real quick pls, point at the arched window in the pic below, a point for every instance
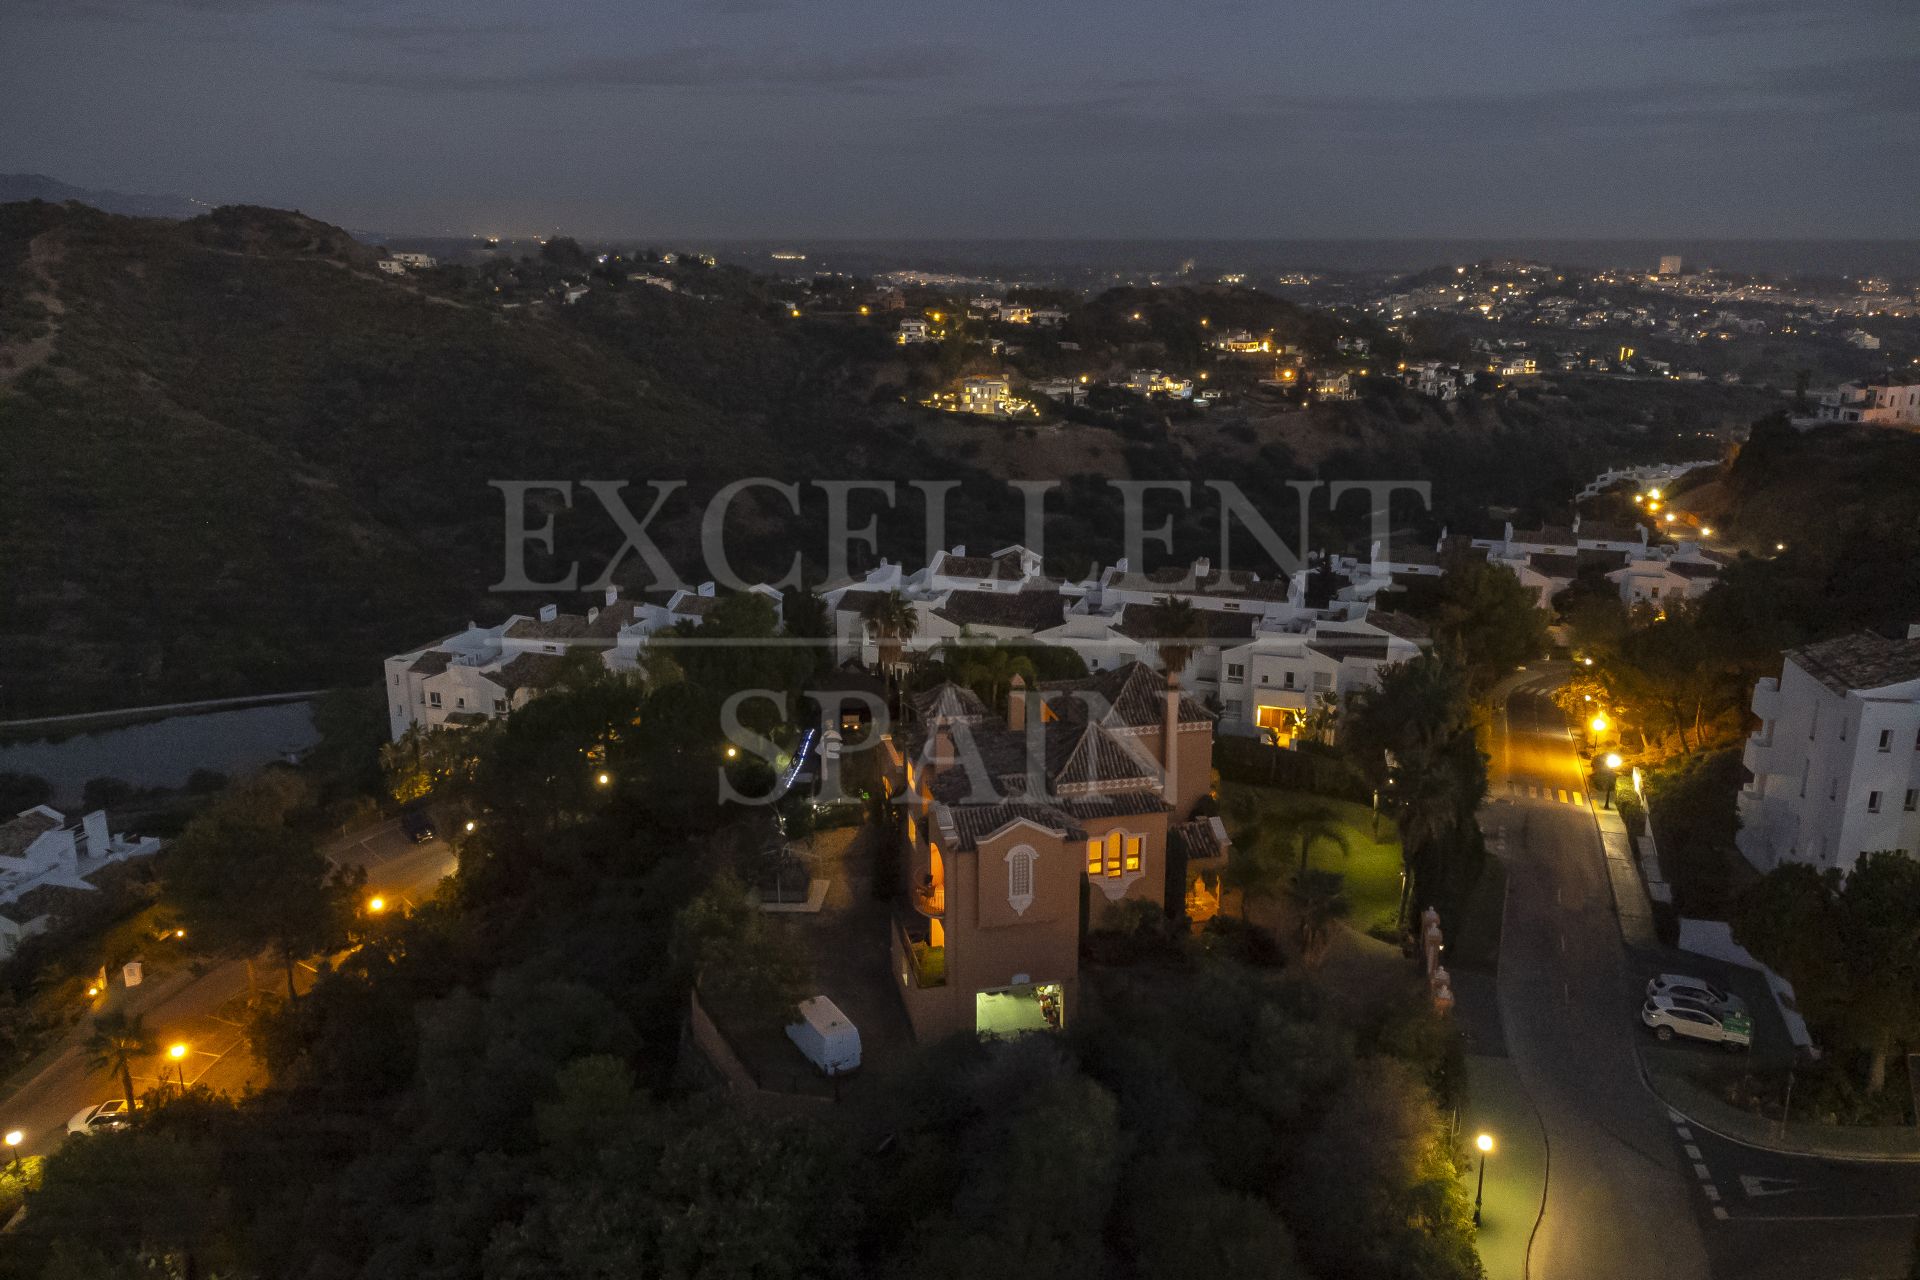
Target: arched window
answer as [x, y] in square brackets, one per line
[1020, 878]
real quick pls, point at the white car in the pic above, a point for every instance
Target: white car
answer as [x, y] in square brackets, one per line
[101, 1117]
[1670, 1016]
[1698, 990]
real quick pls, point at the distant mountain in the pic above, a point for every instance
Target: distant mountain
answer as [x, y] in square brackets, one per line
[38, 186]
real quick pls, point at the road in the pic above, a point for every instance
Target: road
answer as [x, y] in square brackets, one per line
[203, 1012]
[1632, 1189]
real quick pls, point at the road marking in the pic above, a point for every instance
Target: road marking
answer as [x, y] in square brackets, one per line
[1755, 1187]
[1686, 1134]
[1720, 1213]
[1579, 800]
[1693, 1152]
[1703, 1173]
[1713, 1192]
[1675, 1116]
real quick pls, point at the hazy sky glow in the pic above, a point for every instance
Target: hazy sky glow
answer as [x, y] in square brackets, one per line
[989, 117]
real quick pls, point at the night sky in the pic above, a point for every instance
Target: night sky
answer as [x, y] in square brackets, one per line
[1039, 118]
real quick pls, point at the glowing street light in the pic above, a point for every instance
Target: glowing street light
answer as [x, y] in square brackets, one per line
[1653, 493]
[1613, 760]
[14, 1139]
[1588, 661]
[1779, 546]
[732, 752]
[1485, 1143]
[470, 824]
[1706, 531]
[604, 779]
[178, 1052]
[1598, 724]
[376, 904]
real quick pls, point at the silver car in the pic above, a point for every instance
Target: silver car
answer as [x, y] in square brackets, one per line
[101, 1117]
[1670, 1016]
[1698, 990]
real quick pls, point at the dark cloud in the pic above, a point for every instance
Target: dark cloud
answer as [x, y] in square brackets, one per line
[1723, 18]
[703, 66]
[1172, 116]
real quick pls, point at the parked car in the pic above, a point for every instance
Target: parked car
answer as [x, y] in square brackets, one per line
[417, 822]
[101, 1117]
[1698, 990]
[1670, 1016]
[824, 1035]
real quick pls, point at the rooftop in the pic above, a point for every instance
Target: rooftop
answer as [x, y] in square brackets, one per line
[1864, 660]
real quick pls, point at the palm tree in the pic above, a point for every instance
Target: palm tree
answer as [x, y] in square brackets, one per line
[1181, 628]
[1318, 900]
[892, 620]
[1317, 822]
[988, 668]
[116, 1042]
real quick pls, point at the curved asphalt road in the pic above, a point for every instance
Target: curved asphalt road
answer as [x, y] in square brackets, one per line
[1633, 1189]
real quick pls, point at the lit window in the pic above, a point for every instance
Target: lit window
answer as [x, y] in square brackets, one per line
[1094, 857]
[1133, 853]
[913, 830]
[1113, 855]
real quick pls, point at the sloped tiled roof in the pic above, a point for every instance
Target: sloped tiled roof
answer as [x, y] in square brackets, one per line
[431, 663]
[977, 822]
[949, 701]
[1030, 609]
[528, 671]
[1197, 840]
[1405, 626]
[1086, 755]
[17, 833]
[1864, 660]
[1134, 697]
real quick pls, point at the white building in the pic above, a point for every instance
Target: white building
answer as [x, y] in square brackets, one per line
[414, 261]
[912, 331]
[1885, 402]
[1835, 763]
[1547, 561]
[1152, 382]
[43, 859]
[481, 672]
[392, 266]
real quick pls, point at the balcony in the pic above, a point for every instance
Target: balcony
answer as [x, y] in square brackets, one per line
[923, 948]
[930, 898]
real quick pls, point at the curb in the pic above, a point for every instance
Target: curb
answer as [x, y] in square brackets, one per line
[1851, 1157]
[1546, 1142]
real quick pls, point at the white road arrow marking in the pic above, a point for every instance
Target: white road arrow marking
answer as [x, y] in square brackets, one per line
[1757, 1187]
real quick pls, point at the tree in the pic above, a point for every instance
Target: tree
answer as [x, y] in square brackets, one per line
[20, 791]
[1318, 900]
[1489, 618]
[744, 964]
[117, 1042]
[1179, 629]
[247, 874]
[988, 668]
[1850, 946]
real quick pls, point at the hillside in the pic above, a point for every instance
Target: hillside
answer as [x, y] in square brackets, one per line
[239, 458]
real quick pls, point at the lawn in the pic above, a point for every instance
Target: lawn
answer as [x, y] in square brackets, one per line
[1370, 863]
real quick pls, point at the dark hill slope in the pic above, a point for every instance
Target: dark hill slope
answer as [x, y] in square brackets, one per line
[234, 457]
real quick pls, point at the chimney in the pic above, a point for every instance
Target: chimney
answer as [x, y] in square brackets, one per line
[593, 614]
[1913, 631]
[548, 612]
[1017, 705]
[613, 596]
[1202, 567]
[707, 588]
[960, 550]
[94, 825]
[1170, 747]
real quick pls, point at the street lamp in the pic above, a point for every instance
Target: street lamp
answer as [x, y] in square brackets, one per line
[1611, 761]
[1485, 1143]
[376, 904]
[14, 1139]
[178, 1052]
[470, 824]
[1598, 724]
[604, 779]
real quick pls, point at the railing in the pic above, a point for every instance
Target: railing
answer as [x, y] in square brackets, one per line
[931, 899]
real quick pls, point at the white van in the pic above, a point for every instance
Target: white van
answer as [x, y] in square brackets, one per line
[824, 1035]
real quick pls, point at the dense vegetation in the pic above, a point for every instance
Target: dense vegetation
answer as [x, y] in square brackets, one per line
[496, 1083]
